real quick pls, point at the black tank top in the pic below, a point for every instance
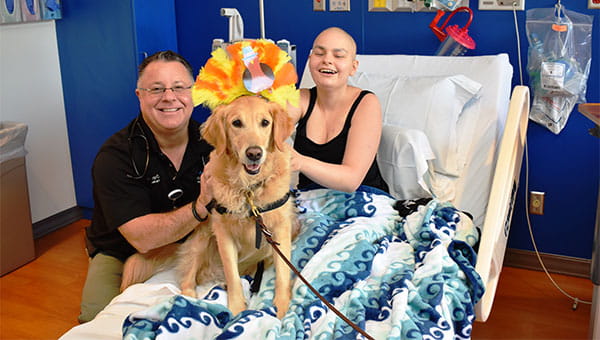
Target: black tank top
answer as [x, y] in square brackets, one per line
[332, 151]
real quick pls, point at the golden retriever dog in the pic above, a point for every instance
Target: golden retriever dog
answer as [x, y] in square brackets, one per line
[250, 168]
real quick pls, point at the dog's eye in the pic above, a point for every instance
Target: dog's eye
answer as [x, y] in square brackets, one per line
[237, 123]
[265, 123]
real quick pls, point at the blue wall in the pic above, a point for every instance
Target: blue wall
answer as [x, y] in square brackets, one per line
[100, 44]
[98, 66]
[565, 166]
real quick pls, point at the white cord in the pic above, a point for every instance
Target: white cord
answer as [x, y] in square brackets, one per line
[518, 42]
[537, 253]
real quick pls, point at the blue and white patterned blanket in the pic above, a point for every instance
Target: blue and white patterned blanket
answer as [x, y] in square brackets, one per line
[397, 278]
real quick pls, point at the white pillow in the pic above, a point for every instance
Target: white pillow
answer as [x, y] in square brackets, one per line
[382, 85]
[402, 158]
[405, 162]
[430, 104]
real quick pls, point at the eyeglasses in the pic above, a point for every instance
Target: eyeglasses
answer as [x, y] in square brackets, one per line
[159, 91]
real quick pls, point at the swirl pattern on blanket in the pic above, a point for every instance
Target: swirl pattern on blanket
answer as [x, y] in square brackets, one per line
[396, 278]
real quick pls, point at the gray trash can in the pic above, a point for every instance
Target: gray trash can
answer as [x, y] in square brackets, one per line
[16, 233]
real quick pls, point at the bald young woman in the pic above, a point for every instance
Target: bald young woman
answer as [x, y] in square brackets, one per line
[339, 126]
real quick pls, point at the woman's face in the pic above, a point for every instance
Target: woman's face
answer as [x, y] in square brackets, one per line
[332, 59]
[168, 111]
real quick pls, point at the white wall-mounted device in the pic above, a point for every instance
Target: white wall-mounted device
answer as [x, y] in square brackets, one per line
[413, 5]
[339, 5]
[236, 24]
[501, 5]
[319, 5]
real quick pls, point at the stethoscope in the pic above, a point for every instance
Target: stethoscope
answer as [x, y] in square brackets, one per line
[174, 194]
[130, 138]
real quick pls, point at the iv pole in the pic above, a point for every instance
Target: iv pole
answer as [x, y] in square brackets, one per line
[261, 8]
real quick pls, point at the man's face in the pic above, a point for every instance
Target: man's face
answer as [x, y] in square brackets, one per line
[168, 111]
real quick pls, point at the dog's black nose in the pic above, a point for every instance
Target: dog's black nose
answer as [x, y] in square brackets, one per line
[254, 153]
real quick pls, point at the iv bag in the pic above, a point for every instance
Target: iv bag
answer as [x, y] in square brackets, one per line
[559, 59]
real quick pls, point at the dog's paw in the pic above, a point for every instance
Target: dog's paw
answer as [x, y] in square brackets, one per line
[282, 305]
[281, 312]
[191, 292]
[236, 307]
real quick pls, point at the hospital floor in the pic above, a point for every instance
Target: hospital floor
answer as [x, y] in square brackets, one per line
[41, 299]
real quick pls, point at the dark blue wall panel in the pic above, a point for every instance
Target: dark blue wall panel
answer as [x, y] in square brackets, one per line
[98, 75]
[100, 44]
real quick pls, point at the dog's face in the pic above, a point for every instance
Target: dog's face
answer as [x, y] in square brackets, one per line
[248, 129]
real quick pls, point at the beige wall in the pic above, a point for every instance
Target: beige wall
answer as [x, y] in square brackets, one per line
[31, 93]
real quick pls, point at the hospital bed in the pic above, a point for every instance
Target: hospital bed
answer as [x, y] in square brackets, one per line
[396, 266]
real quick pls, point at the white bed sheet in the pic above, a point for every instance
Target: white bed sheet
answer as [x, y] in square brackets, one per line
[109, 322]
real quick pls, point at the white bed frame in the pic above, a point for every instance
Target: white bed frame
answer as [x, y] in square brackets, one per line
[501, 203]
[506, 153]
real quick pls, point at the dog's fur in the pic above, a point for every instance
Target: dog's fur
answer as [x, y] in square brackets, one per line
[249, 157]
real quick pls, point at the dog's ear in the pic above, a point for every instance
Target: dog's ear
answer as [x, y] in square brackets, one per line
[213, 130]
[282, 125]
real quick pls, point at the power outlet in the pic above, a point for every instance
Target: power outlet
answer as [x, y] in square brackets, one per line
[536, 202]
[501, 5]
[339, 5]
[319, 5]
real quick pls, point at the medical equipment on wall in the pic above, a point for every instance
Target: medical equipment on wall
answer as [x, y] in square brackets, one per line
[412, 6]
[559, 59]
[236, 24]
[455, 40]
[236, 32]
[448, 5]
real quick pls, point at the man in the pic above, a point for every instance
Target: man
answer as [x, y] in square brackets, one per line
[145, 177]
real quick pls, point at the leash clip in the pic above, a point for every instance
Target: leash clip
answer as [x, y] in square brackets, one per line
[253, 209]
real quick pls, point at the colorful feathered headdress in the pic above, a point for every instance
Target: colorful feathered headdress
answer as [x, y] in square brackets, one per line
[249, 67]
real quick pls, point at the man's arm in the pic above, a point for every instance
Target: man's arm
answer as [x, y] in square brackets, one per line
[155, 230]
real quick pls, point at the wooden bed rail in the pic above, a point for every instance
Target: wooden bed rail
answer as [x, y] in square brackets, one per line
[501, 202]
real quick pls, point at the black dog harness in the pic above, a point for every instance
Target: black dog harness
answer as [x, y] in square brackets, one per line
[259, 225]
[271, 206]
[254, 210]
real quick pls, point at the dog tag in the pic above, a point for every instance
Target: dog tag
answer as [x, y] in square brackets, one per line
[175, 194]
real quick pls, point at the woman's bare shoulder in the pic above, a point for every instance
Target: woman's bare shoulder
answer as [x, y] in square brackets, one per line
[296, 112]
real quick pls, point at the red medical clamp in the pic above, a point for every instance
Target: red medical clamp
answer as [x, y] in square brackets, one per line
[455, 40]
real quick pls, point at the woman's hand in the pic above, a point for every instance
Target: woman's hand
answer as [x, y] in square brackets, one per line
[295, 159]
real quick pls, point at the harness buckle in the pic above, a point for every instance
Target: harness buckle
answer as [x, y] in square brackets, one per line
[253, 209]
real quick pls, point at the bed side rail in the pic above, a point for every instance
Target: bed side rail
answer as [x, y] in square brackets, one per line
[501, 202]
